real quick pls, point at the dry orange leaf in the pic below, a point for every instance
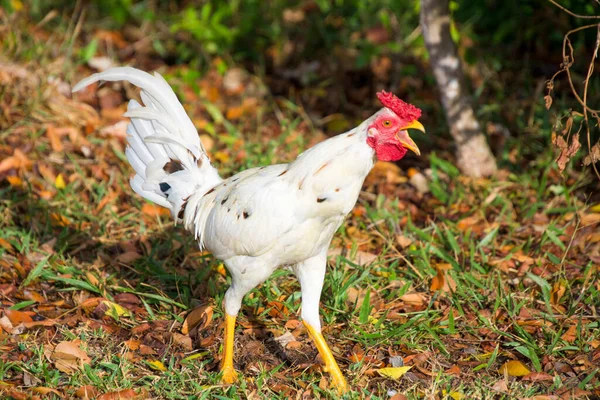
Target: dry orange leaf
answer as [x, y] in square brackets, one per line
[441, 280]
[46, 391]
[54, 137]
[125, 394]
[14, 181]
[467, 223]
[538, 377]
[17, 317]
[128, 257]
[6, 245]
[570, 335]
[153, 210]
[59, 220]
[132, 344]
[415, 299]
[16, 161]
[514, 368]
[87, 392]
[234, 113]
[68, 357]
[199, 316]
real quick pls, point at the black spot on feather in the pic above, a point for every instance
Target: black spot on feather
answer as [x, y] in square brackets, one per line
[224, 200]
[164, 187]
[173, 166]
[321, 199]
[209, 192]
[246, 214]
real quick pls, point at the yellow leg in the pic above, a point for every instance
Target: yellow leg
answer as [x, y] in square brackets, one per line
[229, 374]
[331, 366]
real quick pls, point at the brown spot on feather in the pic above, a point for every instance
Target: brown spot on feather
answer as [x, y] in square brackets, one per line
[173, 166]
[351, 134]
[209, 192]
[181, 212]
[300, 184]
[321, 199]
[283, 173]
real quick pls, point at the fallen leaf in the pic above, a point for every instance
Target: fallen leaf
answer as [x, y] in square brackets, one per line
[46, 391]
[6, 325]
[453, 395]
[6, 245]
[454, 370]
[125, 394]
[68, 357]
[17, 161]
[153, 210]
[234, 113]
[538, 377]
[128, 257]
[54, 138]
[403, 241]
[501, 386]
[514, 368]
[285, 338]
[558, 291]
[14, 181]
[570, 335]
[182, 340]
[59, 182]
[393, 372]
[17, 317]
[157, 365]
[415, 299]
[115, 311]
[199, 316]
[361, 258]
[59, 220]
[87, 392]
[132, 344]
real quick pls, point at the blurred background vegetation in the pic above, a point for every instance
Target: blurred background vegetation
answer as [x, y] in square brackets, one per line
[330, 55]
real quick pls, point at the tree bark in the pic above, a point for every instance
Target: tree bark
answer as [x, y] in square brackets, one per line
[473, 154]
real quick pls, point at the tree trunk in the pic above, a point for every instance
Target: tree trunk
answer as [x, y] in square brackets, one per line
[474, 157]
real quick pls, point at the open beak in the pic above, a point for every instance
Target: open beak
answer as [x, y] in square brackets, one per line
[406, 141]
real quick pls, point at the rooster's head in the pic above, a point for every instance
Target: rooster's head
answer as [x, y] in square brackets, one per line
[387, 133]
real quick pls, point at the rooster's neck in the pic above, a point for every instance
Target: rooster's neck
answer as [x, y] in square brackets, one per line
[334, 170]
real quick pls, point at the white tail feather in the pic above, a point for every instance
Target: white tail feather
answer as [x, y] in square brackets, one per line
[164, 148]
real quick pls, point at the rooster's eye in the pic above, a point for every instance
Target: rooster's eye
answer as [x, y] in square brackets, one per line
[387, 123]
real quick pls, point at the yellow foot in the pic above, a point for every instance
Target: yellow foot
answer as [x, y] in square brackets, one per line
[337, 378]
[229, 375]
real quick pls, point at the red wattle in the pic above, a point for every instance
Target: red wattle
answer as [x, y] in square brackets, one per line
[386, 151]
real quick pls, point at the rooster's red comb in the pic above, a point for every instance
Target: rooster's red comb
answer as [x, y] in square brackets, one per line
[406, 111]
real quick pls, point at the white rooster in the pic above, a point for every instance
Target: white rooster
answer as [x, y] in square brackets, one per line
[262, 218]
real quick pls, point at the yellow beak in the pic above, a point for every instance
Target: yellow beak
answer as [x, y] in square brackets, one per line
[415, 125]
[406, 141]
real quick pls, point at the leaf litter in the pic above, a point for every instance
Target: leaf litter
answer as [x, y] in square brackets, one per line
[111, 288]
